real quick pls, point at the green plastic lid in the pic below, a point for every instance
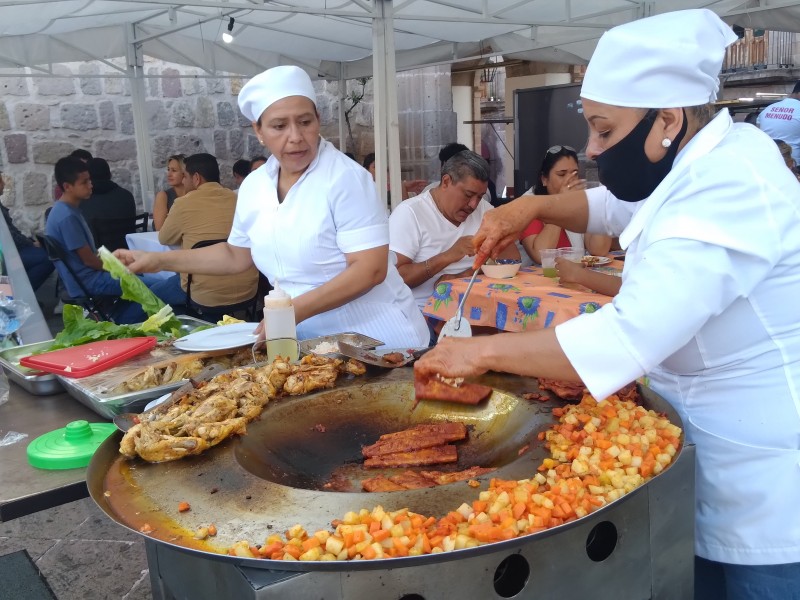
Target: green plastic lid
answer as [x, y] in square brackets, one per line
[70, 447]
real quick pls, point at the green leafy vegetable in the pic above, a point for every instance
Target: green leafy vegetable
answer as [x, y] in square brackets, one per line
[161, 321]
[80, 330]
[133, 288]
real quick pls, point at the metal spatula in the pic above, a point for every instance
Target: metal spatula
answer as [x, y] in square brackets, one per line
[458, 326]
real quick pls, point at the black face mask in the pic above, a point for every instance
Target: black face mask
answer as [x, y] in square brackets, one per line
[625, 169]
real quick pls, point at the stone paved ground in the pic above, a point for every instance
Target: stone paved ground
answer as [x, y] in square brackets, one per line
[81, 553]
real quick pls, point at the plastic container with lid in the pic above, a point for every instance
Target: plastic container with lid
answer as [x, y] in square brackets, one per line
[280, 325]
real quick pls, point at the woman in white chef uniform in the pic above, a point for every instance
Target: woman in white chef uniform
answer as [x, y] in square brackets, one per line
[311, 220]
[708, 308]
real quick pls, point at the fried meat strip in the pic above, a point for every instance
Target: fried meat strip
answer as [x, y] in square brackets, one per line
[450, 391]
[380, 484]
[419, 458]
[416, 438]
[412, 481]
[393, 358]
[566, 390]
[443, 478]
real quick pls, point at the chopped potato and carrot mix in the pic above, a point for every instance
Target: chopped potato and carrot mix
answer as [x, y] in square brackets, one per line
[599, 452]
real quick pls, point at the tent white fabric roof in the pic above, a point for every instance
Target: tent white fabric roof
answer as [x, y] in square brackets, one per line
[331, 39]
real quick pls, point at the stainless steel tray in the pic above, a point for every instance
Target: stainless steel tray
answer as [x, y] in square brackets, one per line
[354, 339]
[33, 382]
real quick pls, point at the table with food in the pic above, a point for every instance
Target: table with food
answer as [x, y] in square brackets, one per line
[527, 300]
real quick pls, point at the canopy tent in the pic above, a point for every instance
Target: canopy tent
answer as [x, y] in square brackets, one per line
[331, 39]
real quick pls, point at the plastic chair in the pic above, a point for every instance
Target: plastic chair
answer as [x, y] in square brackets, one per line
[111, 232]
[98, 305]
[214, 313]
[141, 222]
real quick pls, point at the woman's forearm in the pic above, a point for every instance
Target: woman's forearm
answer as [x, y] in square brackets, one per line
[219, 259]
[534, 354]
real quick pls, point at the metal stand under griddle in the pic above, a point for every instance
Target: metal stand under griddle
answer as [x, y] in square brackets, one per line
[642, 547]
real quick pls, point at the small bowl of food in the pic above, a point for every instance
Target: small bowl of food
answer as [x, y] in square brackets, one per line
[502, 268]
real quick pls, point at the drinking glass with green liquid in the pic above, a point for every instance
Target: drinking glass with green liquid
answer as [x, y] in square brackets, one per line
[548, 256]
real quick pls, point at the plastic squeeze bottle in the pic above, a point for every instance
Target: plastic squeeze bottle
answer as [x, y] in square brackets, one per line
[280, 325]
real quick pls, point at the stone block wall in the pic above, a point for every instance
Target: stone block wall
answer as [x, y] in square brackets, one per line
[89, 106]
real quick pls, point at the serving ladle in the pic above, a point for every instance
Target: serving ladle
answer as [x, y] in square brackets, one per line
[457, 326]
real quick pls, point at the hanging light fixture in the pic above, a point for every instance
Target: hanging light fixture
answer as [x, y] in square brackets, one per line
[227, 36]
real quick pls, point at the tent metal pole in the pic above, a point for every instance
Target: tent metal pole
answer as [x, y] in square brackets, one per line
[392, 119]
[380, 104]
[387, 138]
[342, 124]
[144, 154]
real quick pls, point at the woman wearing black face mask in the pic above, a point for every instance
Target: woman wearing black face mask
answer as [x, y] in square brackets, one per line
[708, 214]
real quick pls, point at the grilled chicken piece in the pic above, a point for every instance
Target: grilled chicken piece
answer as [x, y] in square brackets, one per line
[214, 410]
[429, 456]
[354, 367]
[309, 378]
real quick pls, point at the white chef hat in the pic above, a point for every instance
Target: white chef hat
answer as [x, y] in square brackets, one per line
[670, 60]
[272, 85]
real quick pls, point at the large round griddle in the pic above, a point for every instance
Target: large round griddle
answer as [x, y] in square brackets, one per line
[273, 478]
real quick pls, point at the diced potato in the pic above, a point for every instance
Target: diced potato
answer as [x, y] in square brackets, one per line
[297, 532]
[334, 545]
[314, 553]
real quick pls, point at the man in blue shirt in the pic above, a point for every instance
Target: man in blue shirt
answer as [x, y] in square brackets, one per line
[66, 225]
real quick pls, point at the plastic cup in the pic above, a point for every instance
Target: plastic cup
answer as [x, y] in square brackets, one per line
[573, 254]
[549, 262]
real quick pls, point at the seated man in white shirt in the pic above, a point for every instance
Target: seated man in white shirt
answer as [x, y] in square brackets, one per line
[431, 234]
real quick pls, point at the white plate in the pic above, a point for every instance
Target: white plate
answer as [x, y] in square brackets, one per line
[599, 260]
[219, 338]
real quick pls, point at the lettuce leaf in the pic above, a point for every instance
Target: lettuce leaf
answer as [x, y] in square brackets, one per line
[80, 330]
[161, 318]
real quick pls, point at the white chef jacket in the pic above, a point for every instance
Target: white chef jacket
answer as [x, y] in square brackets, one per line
[418, 231]
[301, 243]
[709, 311]
[781, 121]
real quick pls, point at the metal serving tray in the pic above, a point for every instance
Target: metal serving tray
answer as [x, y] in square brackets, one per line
[33, 382]
[354, 339]
[96, 393]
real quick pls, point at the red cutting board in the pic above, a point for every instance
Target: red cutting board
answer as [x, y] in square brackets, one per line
[88, 359]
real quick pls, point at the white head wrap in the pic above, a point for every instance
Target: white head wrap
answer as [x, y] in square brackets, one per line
[670, 60]
[272, 85]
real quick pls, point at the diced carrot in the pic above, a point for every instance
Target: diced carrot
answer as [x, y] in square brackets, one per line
[358, 536]
[380, 535]
[369, 553]
[374, 526]
[270, 549]
[310, 543]
[518, 510]
[479, 506]
[348, 539]
[183, 506]
[292, 550]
